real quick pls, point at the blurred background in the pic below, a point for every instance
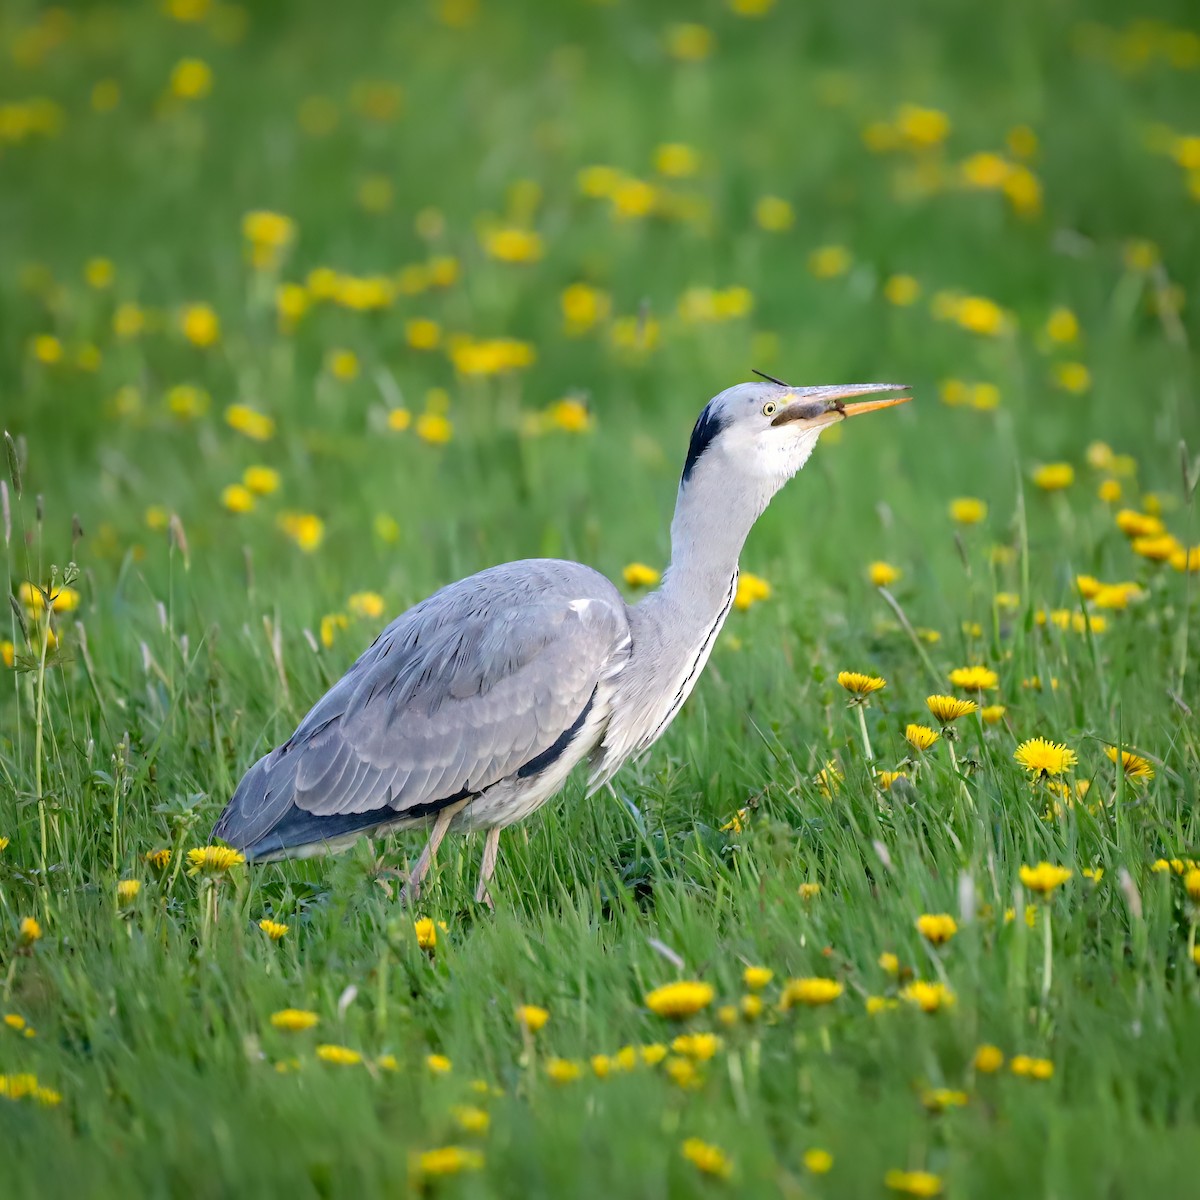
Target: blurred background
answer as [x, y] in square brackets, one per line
[461, 274]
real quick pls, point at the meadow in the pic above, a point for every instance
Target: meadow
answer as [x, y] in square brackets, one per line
[306, 311]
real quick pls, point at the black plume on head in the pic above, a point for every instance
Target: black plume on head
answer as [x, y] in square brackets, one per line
[708, 425]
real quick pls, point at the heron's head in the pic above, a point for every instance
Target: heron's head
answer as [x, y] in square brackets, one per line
[766, 431]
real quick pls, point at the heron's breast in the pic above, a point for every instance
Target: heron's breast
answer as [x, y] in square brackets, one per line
[518, 795]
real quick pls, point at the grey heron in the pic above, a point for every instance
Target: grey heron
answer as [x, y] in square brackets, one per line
[471, 709]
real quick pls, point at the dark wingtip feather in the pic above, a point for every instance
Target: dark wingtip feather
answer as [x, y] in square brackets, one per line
[254, 809]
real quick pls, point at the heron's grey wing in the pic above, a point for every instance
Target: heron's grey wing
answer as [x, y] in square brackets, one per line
[466, 688]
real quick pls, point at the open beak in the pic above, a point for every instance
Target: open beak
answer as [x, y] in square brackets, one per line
[822, 406]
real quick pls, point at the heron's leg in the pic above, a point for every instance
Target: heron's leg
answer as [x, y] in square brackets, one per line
[491, 850]
[412, 889]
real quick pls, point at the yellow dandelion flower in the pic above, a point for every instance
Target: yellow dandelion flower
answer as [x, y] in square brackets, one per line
[330, 624]
[570, 415]
[1031, 1068]
[29, 931]
[978, 314]
[187, 402]
[913, 1183]
[342, 364]
[774, 214]
[1134, 765]
[305, 529]
[967, 510]
[200, 325]
[341, 1056]
[812, 991]
[920, 737]
[738, 822]
[988, 1059]
[752, 1006]
[250, 422]
[438, 1064]
[1109, 491]
[940, 1099]
[885, 779]
[213, 860]
[99, 273]
[975, 679]
[1160, 548]
[471, 1119]
[275, 930]
[928, 997]
[681, 999]
[191, 79]
[426, 930]
[510, 244]
[158, 859]
[922, 127]
[829, 779]
[447, 1160]
[652, 1054]
[757, 978]
[1054, 477]
[937, 928]
[890, 963]
[1134, 524]
[1045, 878]
[368, 605]
[1042, 758]
[689, 42]
[949, 708]
[676, 160]
[434, 428]
[638, 575]
[827, 262]
[750, 590]
[860, 685]
[262, 481]
[817, 1161]
[707, 1158]
[237, 498]
[993, 714]
[294, 1020]
[583, 307]
[1072, 377]
[531, 1017]
[563, 1070]
[809, 891]
[700, 1046]
[901, 290]
[1186, 558]
[883, 574]
[1062, 326]
[127, 890]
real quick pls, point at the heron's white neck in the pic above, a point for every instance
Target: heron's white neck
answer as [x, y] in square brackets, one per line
[711, 523]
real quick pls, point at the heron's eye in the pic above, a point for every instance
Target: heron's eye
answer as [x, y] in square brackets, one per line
[770, 408]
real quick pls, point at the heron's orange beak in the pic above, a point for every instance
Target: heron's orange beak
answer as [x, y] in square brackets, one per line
[866, 406]
[821, 406]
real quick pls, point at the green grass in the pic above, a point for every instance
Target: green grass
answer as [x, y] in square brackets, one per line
[180, 665]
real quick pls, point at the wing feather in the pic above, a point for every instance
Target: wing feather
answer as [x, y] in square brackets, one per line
[456, 694]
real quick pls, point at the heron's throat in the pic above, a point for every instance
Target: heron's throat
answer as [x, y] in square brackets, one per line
[713, 518]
